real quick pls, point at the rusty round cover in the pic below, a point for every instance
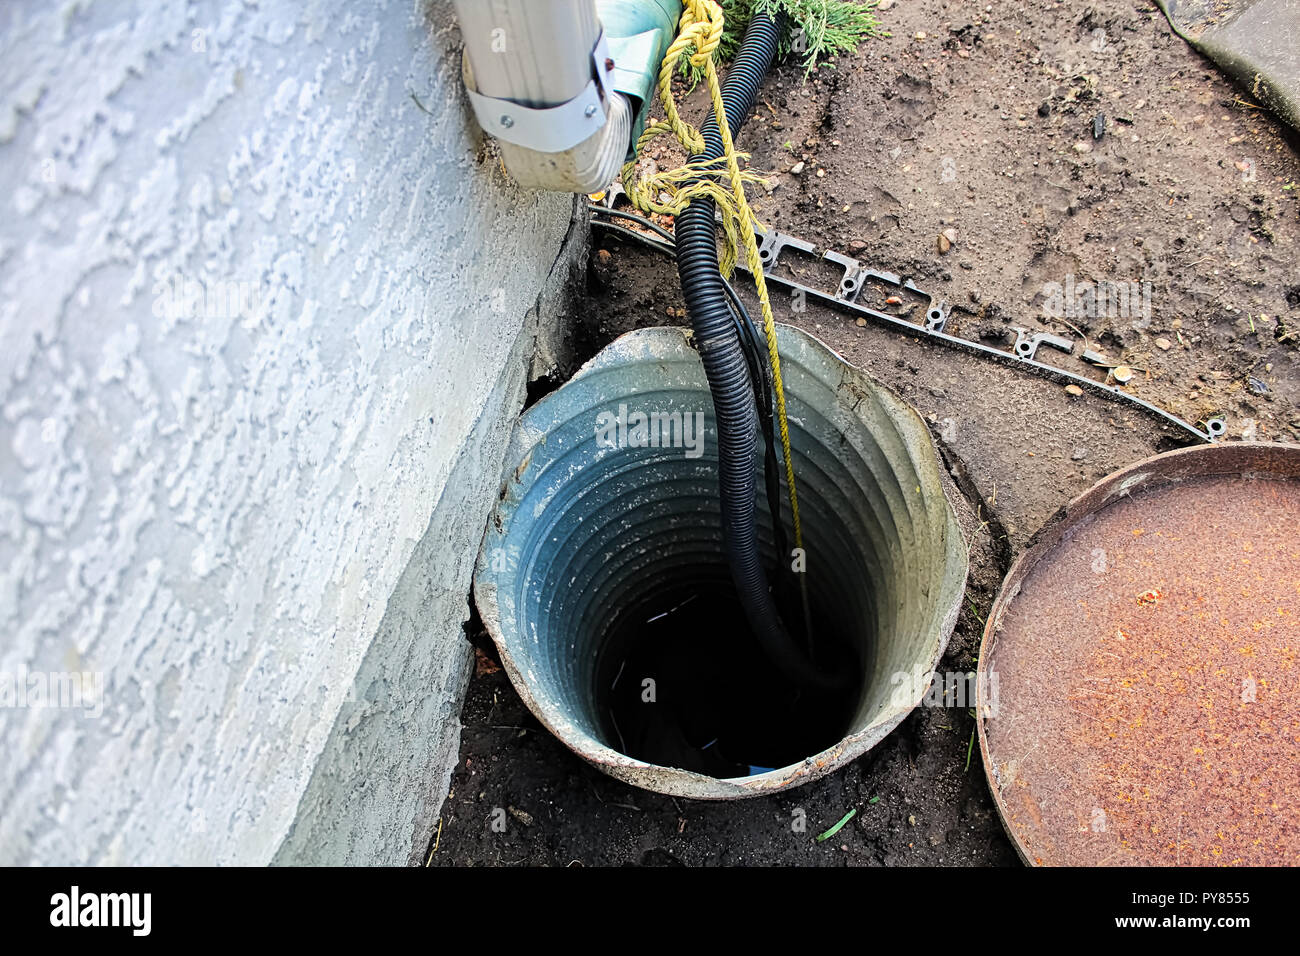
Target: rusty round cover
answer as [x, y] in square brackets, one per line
[1139, 687]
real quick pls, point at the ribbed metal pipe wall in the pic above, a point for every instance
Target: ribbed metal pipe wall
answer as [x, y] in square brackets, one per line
[585, 534]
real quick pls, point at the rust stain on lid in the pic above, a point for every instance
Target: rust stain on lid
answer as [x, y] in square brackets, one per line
[1140, 683]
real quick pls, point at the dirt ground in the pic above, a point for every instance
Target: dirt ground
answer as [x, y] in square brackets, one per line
[979, 119]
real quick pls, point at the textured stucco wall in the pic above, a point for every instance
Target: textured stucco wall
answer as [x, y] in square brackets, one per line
[252, 511]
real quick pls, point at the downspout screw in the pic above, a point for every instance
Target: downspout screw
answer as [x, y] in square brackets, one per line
[507, 122]
[590, 110]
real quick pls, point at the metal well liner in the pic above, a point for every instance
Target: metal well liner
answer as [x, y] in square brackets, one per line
[584, 532]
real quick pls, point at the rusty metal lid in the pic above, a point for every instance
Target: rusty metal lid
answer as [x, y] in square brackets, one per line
[1139, 683]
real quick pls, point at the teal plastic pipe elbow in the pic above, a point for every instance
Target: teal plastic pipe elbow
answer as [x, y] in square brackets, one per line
[638, 33]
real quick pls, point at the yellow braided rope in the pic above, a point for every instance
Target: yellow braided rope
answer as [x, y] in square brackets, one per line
[701, 29]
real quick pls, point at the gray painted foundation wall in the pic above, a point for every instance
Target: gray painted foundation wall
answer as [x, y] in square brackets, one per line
[267, 308]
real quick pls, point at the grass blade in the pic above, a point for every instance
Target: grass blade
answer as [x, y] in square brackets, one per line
[836, 829]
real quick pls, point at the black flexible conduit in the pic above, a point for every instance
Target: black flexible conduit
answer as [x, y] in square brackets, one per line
[754, 346]
[726, 367]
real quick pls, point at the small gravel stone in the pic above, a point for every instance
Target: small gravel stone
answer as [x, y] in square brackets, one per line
[522, 816]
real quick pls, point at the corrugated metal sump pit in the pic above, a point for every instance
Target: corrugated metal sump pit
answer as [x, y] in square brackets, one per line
[604, 583]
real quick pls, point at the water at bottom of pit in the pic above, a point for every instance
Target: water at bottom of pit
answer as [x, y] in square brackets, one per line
[687, 685]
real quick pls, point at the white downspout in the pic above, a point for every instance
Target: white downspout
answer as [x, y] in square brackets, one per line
[539, 77]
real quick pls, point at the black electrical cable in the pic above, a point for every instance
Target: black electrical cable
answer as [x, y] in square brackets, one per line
[727, 370]
[755, 355]
[751, 339]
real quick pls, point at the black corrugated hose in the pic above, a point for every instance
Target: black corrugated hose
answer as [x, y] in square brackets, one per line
[727, 370]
